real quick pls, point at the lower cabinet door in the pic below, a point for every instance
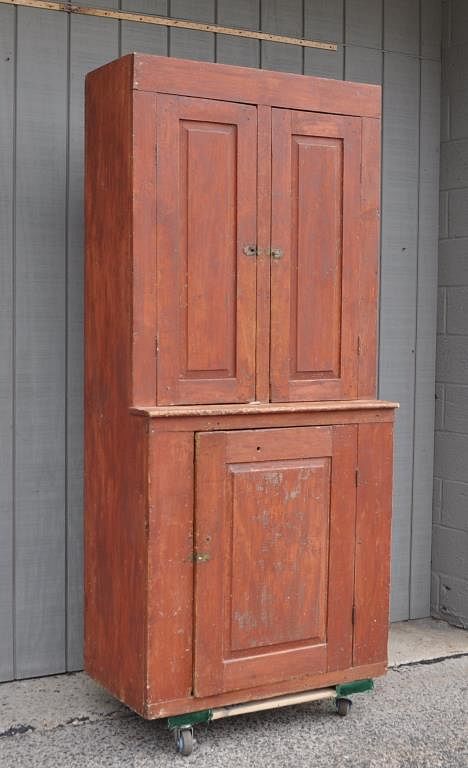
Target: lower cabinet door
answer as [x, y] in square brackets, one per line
[275, 542]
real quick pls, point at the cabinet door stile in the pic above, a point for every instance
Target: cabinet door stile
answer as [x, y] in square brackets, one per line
[342, 546]
[281, 229]
[373, 534]
[263, 259]
[210, 494]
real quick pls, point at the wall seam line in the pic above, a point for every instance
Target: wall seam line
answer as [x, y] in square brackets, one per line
[343, 37]
[67, 249]
[13, 373]
[382, 140]
[416, 330]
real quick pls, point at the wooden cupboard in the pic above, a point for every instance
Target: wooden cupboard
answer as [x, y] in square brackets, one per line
[238, 466]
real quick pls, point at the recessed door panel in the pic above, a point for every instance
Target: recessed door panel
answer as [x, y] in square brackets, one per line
[315, 282]
[274, 555]
[280, 519]
[206, 212]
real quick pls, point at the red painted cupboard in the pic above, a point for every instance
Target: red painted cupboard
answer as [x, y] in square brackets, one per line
[238, 467]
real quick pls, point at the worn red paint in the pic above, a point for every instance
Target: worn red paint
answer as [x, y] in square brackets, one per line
[183, 330]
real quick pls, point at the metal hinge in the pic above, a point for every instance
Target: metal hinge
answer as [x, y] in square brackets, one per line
[156, 345]
[359, 346]
[353, 615]
[356, 476]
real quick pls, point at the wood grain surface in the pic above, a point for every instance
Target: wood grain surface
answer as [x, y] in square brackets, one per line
[316, 169]
[222, 560]
[244, 85]
[281, 502]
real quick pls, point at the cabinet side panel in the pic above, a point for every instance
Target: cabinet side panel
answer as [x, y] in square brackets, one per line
[115, 445]
[373, 530]
[342, 535]
[144, 249]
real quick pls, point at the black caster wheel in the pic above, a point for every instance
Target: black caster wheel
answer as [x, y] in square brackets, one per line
[184, 740]
[343, 706]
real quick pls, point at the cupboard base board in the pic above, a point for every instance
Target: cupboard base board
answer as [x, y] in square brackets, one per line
[191, 704]
[171, 708]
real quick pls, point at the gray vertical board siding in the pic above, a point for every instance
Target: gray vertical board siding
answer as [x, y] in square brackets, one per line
[446, 14]
[40, 342]
[47, 560]
[364, 23]
[431, 21]
[282, 17]
[363, 38]
[239, 51]
[401, 26]
[144, 38]
[244, 14]
[323, 21]
[458, 21]
[423, 464]
[91, 45]
[190, 43]
[7, 81]
[449, 562]
[324, 63]
[363, 65]
[398, 295]
[445, 117]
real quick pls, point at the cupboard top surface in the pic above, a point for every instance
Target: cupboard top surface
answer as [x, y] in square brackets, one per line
[255, 86]
[252, 408]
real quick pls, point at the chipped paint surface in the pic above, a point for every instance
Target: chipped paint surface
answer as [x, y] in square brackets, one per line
[280, 529]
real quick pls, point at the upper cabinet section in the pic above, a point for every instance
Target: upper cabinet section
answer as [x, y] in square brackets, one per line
[316, 165]
[206, 277]
[244, 228]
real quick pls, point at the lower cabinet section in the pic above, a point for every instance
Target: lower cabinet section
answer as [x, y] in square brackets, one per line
[275, 532]
[257, 563]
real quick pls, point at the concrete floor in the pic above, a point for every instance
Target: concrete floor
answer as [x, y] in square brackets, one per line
[417, 717]
[424, 640]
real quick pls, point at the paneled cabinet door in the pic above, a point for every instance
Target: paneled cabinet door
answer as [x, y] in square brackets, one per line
[316, 164]
[275, 529]
[206, 216]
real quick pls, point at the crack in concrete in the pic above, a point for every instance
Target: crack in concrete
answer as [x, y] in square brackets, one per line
[120, 714]
[21, 728]
[435, 660]
[15, 730]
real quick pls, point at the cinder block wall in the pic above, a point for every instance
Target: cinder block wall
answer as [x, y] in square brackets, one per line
[450, 521]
